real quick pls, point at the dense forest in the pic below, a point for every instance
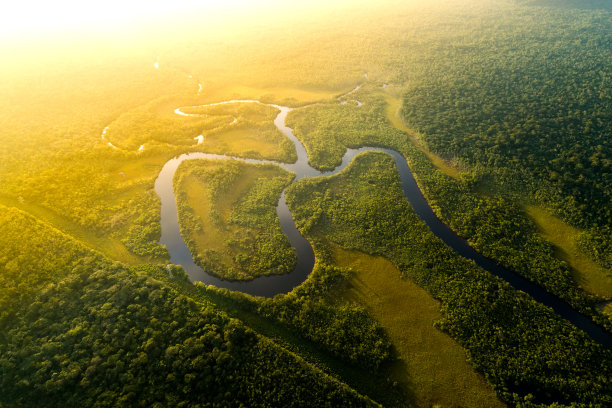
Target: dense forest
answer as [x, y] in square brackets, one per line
[492, 223]
[79, 330]
[530, 356]
[538, 117]
[502, 110]
[227, 212]
[578, 4]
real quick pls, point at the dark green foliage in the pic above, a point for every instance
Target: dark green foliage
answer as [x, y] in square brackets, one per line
[521, 347]
[87, 332]
[597, 242]
[256, 210]
[519, 94]
[143, 234]
[126, 341]
[350, 125]
[499, 229]
[495, 225]
[30, 260]
[526, 95]
[348, 332]
[578, 4]
[252, 234]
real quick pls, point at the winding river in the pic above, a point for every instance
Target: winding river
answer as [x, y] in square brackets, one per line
[275, 284]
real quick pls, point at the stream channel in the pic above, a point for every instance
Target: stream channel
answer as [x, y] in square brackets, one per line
[274, 284]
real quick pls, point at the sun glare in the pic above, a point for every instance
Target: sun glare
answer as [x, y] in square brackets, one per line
[20, 19]
[40, 19]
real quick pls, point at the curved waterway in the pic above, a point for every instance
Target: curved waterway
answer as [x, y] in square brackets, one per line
[275, 284]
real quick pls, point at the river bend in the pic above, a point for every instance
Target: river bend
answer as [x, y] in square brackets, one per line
[274, 284]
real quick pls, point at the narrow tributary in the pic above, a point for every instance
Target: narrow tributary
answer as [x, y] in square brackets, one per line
[271, 285]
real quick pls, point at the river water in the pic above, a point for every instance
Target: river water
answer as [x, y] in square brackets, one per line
[271, 285]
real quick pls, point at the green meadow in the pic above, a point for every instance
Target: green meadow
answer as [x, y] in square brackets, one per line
[227, 212]
[502, 110]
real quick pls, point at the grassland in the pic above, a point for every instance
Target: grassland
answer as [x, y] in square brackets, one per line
[327, 129]
[588, 274]
[504, 331]
[244, 141]
[248, 131]
[430, 364]
[63, 307]
[243, 130]
[111, 247]
[594, 278]
[227, 212]
[473, 79]
[286, 96]
[486, 217]
[394, 116]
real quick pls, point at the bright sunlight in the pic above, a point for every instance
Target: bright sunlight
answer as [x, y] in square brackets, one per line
[35, 17]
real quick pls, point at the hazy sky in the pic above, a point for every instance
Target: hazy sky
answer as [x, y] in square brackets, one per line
[26, 18]
[35, 18]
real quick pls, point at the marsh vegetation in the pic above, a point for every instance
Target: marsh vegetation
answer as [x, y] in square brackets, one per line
[228, 216]
[502, 111]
